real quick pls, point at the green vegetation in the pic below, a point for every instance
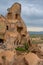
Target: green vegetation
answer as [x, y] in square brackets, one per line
[36, 35]
[34, 40]
[25, 48]
[20, 49]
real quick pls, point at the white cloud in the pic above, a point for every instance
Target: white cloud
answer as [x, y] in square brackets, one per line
[30, 9]
[36, 29]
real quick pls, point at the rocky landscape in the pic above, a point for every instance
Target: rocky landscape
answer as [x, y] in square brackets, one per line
[16, 47]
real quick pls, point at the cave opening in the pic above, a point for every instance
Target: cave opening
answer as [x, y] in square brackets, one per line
[7, 27]
[19, 29]
[1, 41]
[16, 16]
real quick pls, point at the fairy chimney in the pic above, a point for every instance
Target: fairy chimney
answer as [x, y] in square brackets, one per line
[16, 23]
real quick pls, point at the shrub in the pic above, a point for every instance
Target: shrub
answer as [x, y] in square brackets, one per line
[20, 49]
[24, 48]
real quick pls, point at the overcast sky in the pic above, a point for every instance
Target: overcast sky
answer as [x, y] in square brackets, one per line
[32, 11]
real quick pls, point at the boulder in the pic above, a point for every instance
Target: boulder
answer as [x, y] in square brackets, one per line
[7, 57]
[32, 59]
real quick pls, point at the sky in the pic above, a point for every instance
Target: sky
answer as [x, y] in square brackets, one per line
[32, 12]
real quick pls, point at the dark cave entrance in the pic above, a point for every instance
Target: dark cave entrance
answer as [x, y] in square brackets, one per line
[1, 41]
[16, 16]
[19, 29]
[7, 27]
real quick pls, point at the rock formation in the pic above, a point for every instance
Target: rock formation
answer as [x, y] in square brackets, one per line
[16, 26]
[13, 33]
[33, 59]
[2, 28]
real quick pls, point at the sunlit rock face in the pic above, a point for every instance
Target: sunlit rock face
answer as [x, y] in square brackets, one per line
[15, 8]
[16, 25]
[13, 33]
[13, 28]
[33, 59]
[2, 24]
[2, 28]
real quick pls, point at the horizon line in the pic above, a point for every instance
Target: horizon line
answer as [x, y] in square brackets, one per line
[34, 29]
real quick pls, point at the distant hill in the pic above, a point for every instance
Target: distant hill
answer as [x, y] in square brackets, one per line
[30, 32]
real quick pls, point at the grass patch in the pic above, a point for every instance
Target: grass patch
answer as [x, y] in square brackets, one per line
[25, 48]
[20, 49]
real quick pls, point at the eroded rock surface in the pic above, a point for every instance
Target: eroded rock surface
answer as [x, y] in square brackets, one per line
[33, 59]
[14, 33]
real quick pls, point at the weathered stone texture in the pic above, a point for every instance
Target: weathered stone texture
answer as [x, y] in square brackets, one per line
[14, 33]
[16, 24]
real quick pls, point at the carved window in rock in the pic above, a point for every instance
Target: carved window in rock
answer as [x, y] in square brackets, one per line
[16, 16]
[19, 27]
[1, 41]
[23, 35]
[9, 15]
[7, 27]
